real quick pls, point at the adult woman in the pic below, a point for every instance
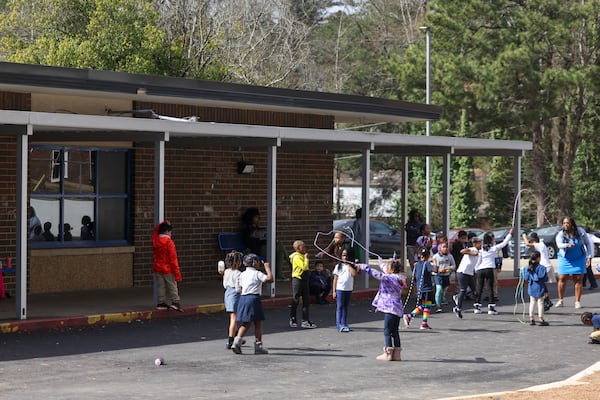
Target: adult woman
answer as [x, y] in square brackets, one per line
[574, 255]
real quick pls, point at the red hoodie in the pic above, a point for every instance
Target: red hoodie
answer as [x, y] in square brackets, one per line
[165, 255]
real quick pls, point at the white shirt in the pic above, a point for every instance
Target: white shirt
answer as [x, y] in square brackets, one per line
[231, 279]
[251, 281]
[544, 258]
[488, 257]
[345, 280]
[468, 262]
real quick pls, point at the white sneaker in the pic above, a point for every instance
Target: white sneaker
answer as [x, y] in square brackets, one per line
[559, 303]
[577, 304]
[308, 324]
[477, 309]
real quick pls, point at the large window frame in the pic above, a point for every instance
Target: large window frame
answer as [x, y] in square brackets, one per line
[101, 185]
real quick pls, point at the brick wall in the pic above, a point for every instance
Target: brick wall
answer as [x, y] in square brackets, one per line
[205, 195]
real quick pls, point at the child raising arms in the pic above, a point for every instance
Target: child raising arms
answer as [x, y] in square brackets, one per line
[389, 301]
[343, 284]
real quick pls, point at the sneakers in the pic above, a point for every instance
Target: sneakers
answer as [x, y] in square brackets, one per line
[407, 318]
[237, 345]
[559, 303]
[477, 308]
[455, 299]
[308, 325]
[547, 304]
[492, 309]
[457, 312]
[438, 310]
[176, 307]
[577, 304]
[424, 326]
[532, 322]
[259, 349]
[344, 329]
[543, 323]
[162, 306]
[293, 323]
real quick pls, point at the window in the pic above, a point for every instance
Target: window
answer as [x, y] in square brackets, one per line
[78, 196]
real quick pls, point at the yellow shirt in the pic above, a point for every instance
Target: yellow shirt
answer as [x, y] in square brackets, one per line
[299, 264]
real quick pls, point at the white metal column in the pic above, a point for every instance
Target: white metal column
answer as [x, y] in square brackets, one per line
[159, 194]
[22, 223]
[271, 215]
[403, 212]
[517, 216]
[446, 193]
[366, 212]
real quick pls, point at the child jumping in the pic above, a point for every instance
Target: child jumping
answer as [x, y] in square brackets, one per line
[536, 277]
[422, 276]
[343, 284]
[389, 301]
[250, 308]
[231, 275]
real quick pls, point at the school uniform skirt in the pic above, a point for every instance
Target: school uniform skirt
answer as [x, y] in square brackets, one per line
[250, 309]
[232, 299]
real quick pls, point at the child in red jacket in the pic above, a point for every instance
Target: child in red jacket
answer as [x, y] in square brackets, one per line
[166, 267]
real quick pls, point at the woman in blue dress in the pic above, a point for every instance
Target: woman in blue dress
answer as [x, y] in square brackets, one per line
[574, 255]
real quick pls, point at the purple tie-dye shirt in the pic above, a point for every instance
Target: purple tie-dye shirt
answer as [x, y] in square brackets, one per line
[389, 296]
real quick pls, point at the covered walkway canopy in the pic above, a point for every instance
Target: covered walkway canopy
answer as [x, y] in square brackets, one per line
[65, 127]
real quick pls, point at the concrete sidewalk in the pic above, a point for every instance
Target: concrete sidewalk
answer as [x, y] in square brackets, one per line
[101, 307]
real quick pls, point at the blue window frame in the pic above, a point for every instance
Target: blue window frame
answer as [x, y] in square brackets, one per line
[79, 197]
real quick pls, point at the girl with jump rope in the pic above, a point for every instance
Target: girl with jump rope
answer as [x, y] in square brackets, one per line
[536, 277]
[422, 274]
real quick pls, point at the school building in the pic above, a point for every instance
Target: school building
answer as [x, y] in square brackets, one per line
[112, 154]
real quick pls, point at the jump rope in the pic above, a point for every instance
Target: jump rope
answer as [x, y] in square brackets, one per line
[349, 234]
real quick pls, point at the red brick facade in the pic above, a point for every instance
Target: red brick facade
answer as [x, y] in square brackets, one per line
[204, 194]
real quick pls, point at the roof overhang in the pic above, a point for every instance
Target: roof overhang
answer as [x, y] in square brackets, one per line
[53, 127]
[149, 88]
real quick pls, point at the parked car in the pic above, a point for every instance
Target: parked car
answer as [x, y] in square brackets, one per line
[384, 239]
[547, 234]
[500, 235]
[453, 233]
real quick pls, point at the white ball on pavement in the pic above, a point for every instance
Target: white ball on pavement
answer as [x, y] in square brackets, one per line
[159, 361]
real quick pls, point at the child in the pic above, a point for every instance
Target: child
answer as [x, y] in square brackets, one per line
[320, 283]
[422, 275]
[536, 277]
[443, 266]
[231, 275]
[166, 267]
[592, 320]
[534, 241]
[250, 308]
[485, 270]
[389, 301]
[343, 283]
[300, 288]
[424, 240]
[465, 274]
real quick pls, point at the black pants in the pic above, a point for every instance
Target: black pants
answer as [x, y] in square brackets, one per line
[300, 289]
[589, 275]
[482, 276]
[464, 281]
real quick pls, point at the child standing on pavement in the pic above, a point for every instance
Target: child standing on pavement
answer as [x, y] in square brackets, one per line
[300, 285]
[231, 275]
[465, 274]
[250, 309]
[166, 267]
[536, 277]
[422, 276]
[389, 301]
[443, 266]
[534, 242]
[343, 284]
